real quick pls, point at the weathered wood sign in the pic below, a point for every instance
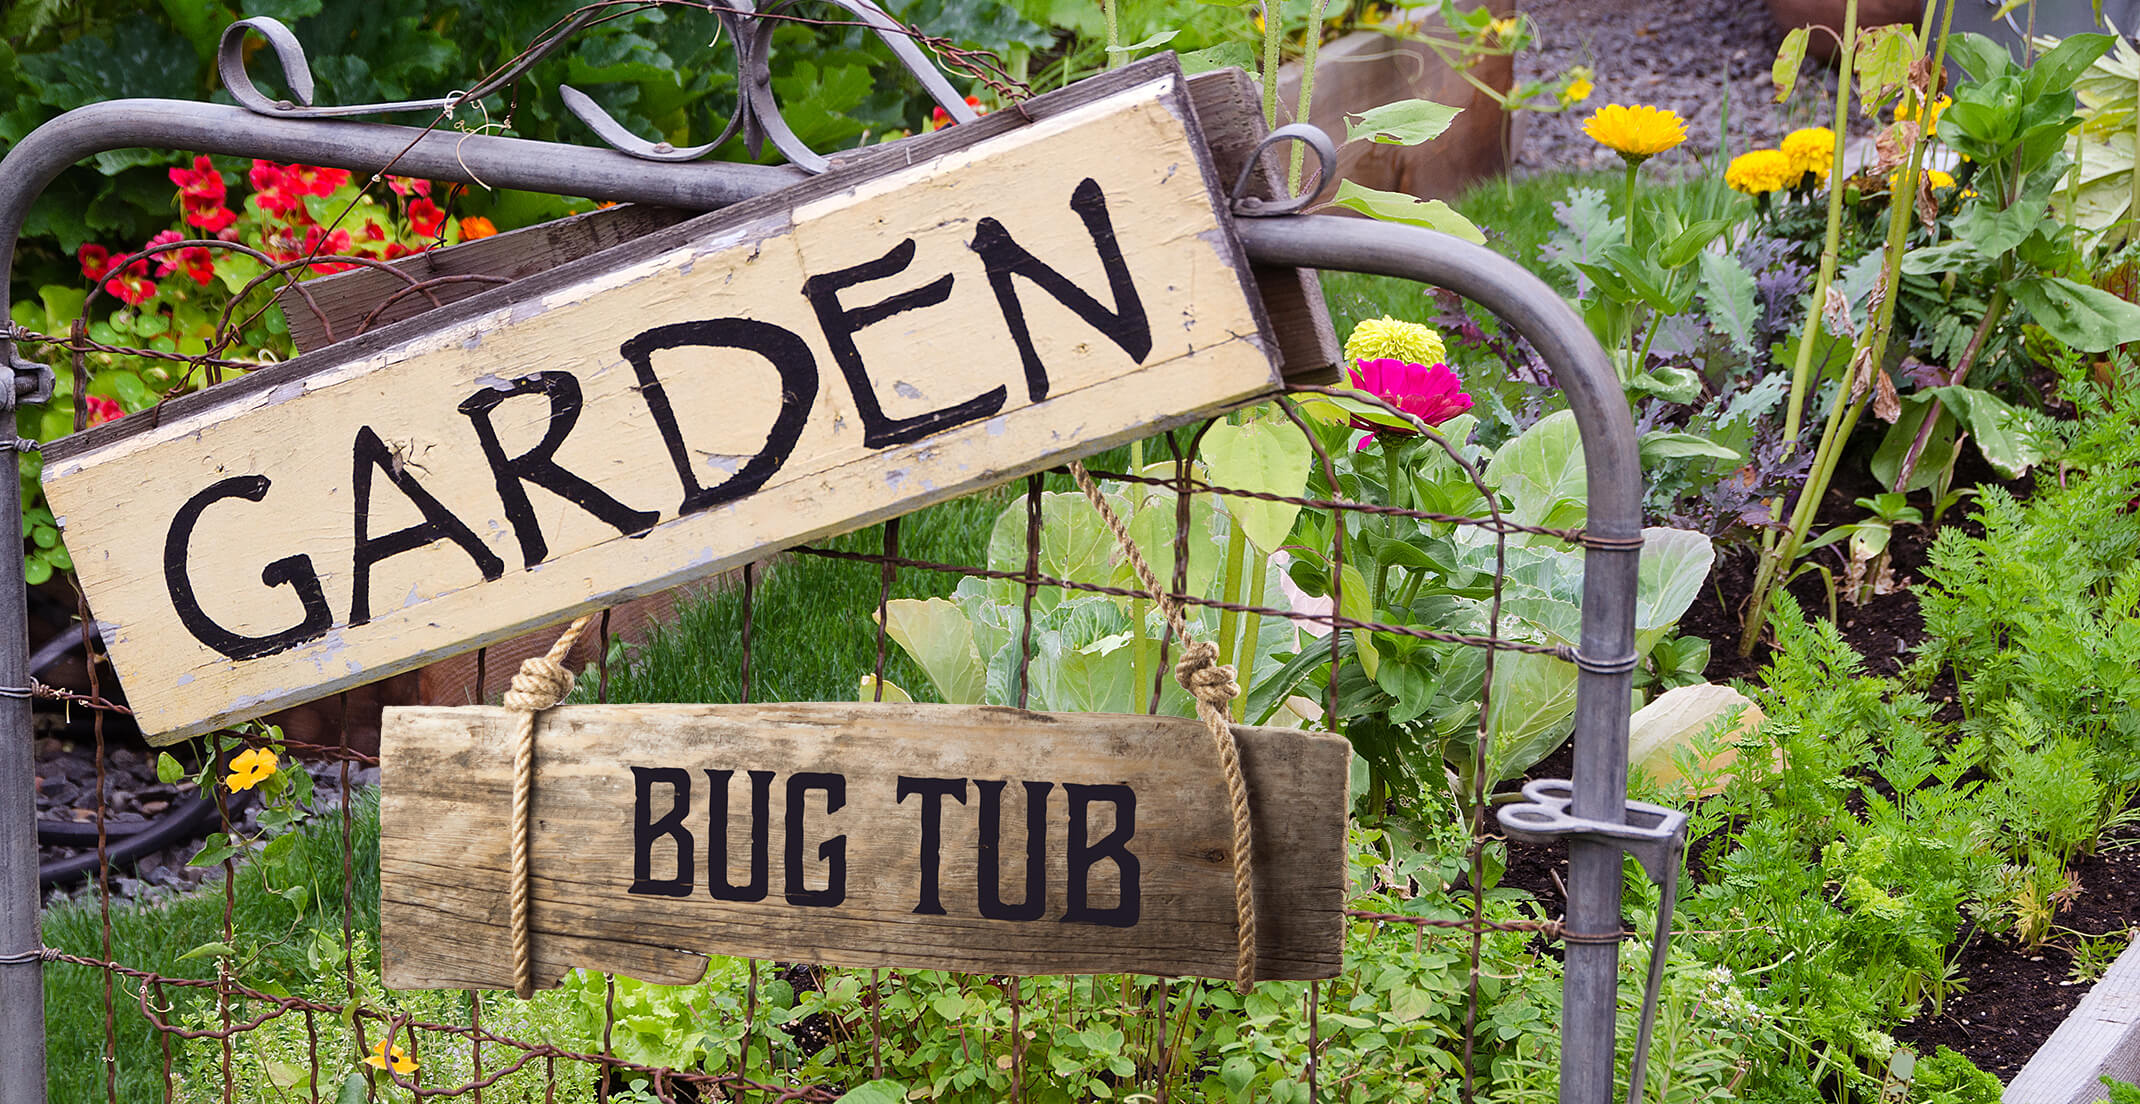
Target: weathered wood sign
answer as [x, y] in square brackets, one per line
[930, 320]
[915, 836]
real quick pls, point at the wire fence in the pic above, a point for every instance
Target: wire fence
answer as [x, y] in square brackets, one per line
[200, 1025]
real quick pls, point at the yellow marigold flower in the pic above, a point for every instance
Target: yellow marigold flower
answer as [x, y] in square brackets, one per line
[1902, 111]
[1939, 179]
[393, 1058]
[1386, 338]
[250, 769]
[1758, 172]
[1636, 133]
[1812, 150]
[1577, 91]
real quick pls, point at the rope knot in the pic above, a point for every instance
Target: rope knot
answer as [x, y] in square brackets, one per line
[1204, 677]
[540, 683]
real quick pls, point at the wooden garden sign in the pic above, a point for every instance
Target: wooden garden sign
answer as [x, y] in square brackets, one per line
[917, 836]
[934, 318]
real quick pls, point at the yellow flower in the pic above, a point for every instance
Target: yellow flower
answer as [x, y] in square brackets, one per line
[1577, 91]
[1812, 150]
[1505, 27]
[385, 1057]
[1902, 111]
[1636, 133]
[1760, 171]
[1938, 179]
[250, 769]
[1386, 338]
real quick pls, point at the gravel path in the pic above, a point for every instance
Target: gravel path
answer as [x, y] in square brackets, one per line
[1682, 55]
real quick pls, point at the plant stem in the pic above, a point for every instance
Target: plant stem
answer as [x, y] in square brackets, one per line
[1229, 621]
[1115, 56]
[1273, 29]
[1843, 417]
[1140, 662]
[1246, 669]
[1993, 311]
[1392, 474]
[1832, 244]
[1307, 90]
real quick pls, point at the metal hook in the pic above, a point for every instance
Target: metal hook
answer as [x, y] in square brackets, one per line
[1249, 206]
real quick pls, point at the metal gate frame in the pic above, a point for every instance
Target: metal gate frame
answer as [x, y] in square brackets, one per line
[1598, 831]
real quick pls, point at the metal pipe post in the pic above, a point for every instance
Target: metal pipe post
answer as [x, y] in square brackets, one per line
[1591, 984]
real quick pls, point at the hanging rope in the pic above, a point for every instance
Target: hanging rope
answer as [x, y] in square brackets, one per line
[1212, 685]
[541, 682]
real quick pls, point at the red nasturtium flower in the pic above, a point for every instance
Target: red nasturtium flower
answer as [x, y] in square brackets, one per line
[939, 118]
[476, 226]
[314, 180]
[198, 263]
[425, 218]
[406, 186]
[200, 184]
[212, 217]
[166, 262]
[103, 410]
[265, 176]
[133, 286]
[96, 261]
[1432, 394]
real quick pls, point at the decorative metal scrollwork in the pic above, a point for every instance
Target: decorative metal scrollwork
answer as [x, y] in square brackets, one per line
[1247, 205]
[757, 114]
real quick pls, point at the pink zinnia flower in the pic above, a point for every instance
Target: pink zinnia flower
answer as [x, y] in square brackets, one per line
[1432, 394]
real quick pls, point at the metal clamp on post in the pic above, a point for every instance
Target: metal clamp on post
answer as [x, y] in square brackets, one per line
[1653, 834]
[32, 379]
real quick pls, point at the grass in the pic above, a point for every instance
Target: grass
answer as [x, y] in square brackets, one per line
[269, 932]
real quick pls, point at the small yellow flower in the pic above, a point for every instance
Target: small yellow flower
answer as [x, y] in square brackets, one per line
[250, 769]
[1941, 104]
[1386, 338]
[393, 1058]
[1577, 91]
[1636, 133]
[1505, 27]
[1812, 150]
[1758, 172]
[1938, 179]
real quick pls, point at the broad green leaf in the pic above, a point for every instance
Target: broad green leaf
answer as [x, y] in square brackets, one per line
[1882, 61]
[1979, 56]
[937, 633]
[1790, 57]
[1728, 290]
[876, 1092]
[168, 769]
[1157, 40]
[1689, 719]
[1938, 451]
[1403, 123]
[355, 1089]
[1533, 710]
[1659, 444]
[1542, 473]
[1265, 454]
[1410, 210]
[1675, 563]
[1673, 383]
[2089, 319]
[1225, 55]
[867, 691]
[2054, 70]
[2003, 434]
[206, 950]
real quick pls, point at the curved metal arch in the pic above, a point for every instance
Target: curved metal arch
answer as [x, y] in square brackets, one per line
[1577, 363]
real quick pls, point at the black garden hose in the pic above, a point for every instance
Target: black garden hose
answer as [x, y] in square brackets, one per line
[181, 822]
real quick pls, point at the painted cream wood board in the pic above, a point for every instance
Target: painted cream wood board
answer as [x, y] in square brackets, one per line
[445, 815]
[1211, 350]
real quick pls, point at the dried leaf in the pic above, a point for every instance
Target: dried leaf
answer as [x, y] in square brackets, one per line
[1927, 204]
[1887, 405]
[1892, 149]
[1921, 78]
[1860, 372]
[1835, 314]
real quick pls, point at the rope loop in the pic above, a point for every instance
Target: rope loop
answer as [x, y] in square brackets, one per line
[1213, 686]
[541, 682]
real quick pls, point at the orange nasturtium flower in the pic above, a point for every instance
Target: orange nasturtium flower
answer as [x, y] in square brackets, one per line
[476, 226]
[250, 768]
[393, 1058]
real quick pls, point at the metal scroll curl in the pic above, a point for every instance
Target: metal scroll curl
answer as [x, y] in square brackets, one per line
[757, 114]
